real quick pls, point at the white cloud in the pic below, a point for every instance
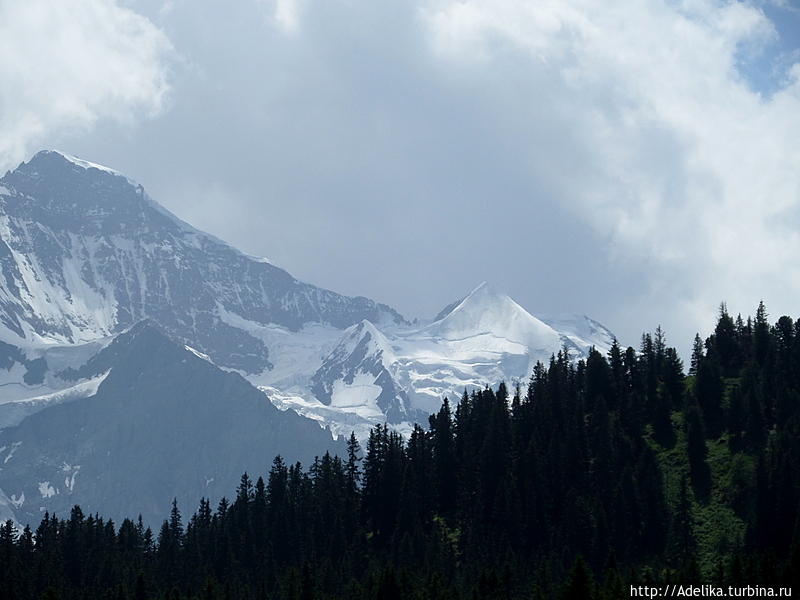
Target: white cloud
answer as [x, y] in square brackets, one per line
[693, 174]
[285, 14]
[64, 65]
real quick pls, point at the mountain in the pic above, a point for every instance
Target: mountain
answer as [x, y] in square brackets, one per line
[86, 253]
[400, 375]
[486, 311]
[159, 422]
[356, 375]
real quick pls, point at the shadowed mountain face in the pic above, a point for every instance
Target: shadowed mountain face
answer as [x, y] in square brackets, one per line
[163, 423]
[85, 253]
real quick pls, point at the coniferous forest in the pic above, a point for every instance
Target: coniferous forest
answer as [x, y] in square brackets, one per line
[630, 468]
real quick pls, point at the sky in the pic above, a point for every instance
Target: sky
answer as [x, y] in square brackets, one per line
[635, 161]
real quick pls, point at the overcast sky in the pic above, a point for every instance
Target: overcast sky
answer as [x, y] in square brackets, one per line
[635, 161]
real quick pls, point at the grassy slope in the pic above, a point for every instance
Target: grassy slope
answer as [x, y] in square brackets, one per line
[719, 531]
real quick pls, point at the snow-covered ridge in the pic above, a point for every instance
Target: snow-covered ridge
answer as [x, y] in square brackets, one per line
[85, 164]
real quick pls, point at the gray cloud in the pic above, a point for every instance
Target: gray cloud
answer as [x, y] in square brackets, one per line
[608, 159]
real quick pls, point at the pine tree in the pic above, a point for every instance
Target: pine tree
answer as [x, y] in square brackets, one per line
[697, 451]
[353, 460]
[444, 460]
[579, 584]
[697, 354]
[568, 469]
[726, 343]
[682, 541]
[709, 390]
[761, 335]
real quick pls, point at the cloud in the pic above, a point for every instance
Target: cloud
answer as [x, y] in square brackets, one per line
[65, 65]
[613, 158]
[692, 174]
[285, 14]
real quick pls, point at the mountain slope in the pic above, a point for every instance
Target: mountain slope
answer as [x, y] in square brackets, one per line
[163, 423]
[85, 253]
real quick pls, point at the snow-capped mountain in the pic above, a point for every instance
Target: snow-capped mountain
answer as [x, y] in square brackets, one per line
[85, 253]
[148, 420]
[487, 312]
[402, 374]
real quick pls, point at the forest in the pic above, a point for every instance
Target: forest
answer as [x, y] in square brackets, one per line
[623, 469]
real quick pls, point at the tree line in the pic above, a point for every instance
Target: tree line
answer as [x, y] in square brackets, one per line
[617, 470]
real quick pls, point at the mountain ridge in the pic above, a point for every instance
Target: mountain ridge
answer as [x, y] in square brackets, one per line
[74, 270]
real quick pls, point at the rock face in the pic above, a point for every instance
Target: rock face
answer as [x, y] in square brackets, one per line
[85, 253]
[163, 422]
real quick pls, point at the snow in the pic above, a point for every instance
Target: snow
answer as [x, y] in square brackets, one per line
[58, 358]
[85, 164]
[580, 332]
[12, 413]
[12, 378]
[486, 311]
[13, 449]
[197, 353]
[46, 490]
[72, 473]
[69, 356]
[88, 312]
[340, 423]
[486, 338]
[258, 259]
[357, 397]
[6, 510]
[295, 355]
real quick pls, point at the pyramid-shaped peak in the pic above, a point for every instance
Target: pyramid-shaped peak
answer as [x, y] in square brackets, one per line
[485, 291]
[487, 311]
[483, 298]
